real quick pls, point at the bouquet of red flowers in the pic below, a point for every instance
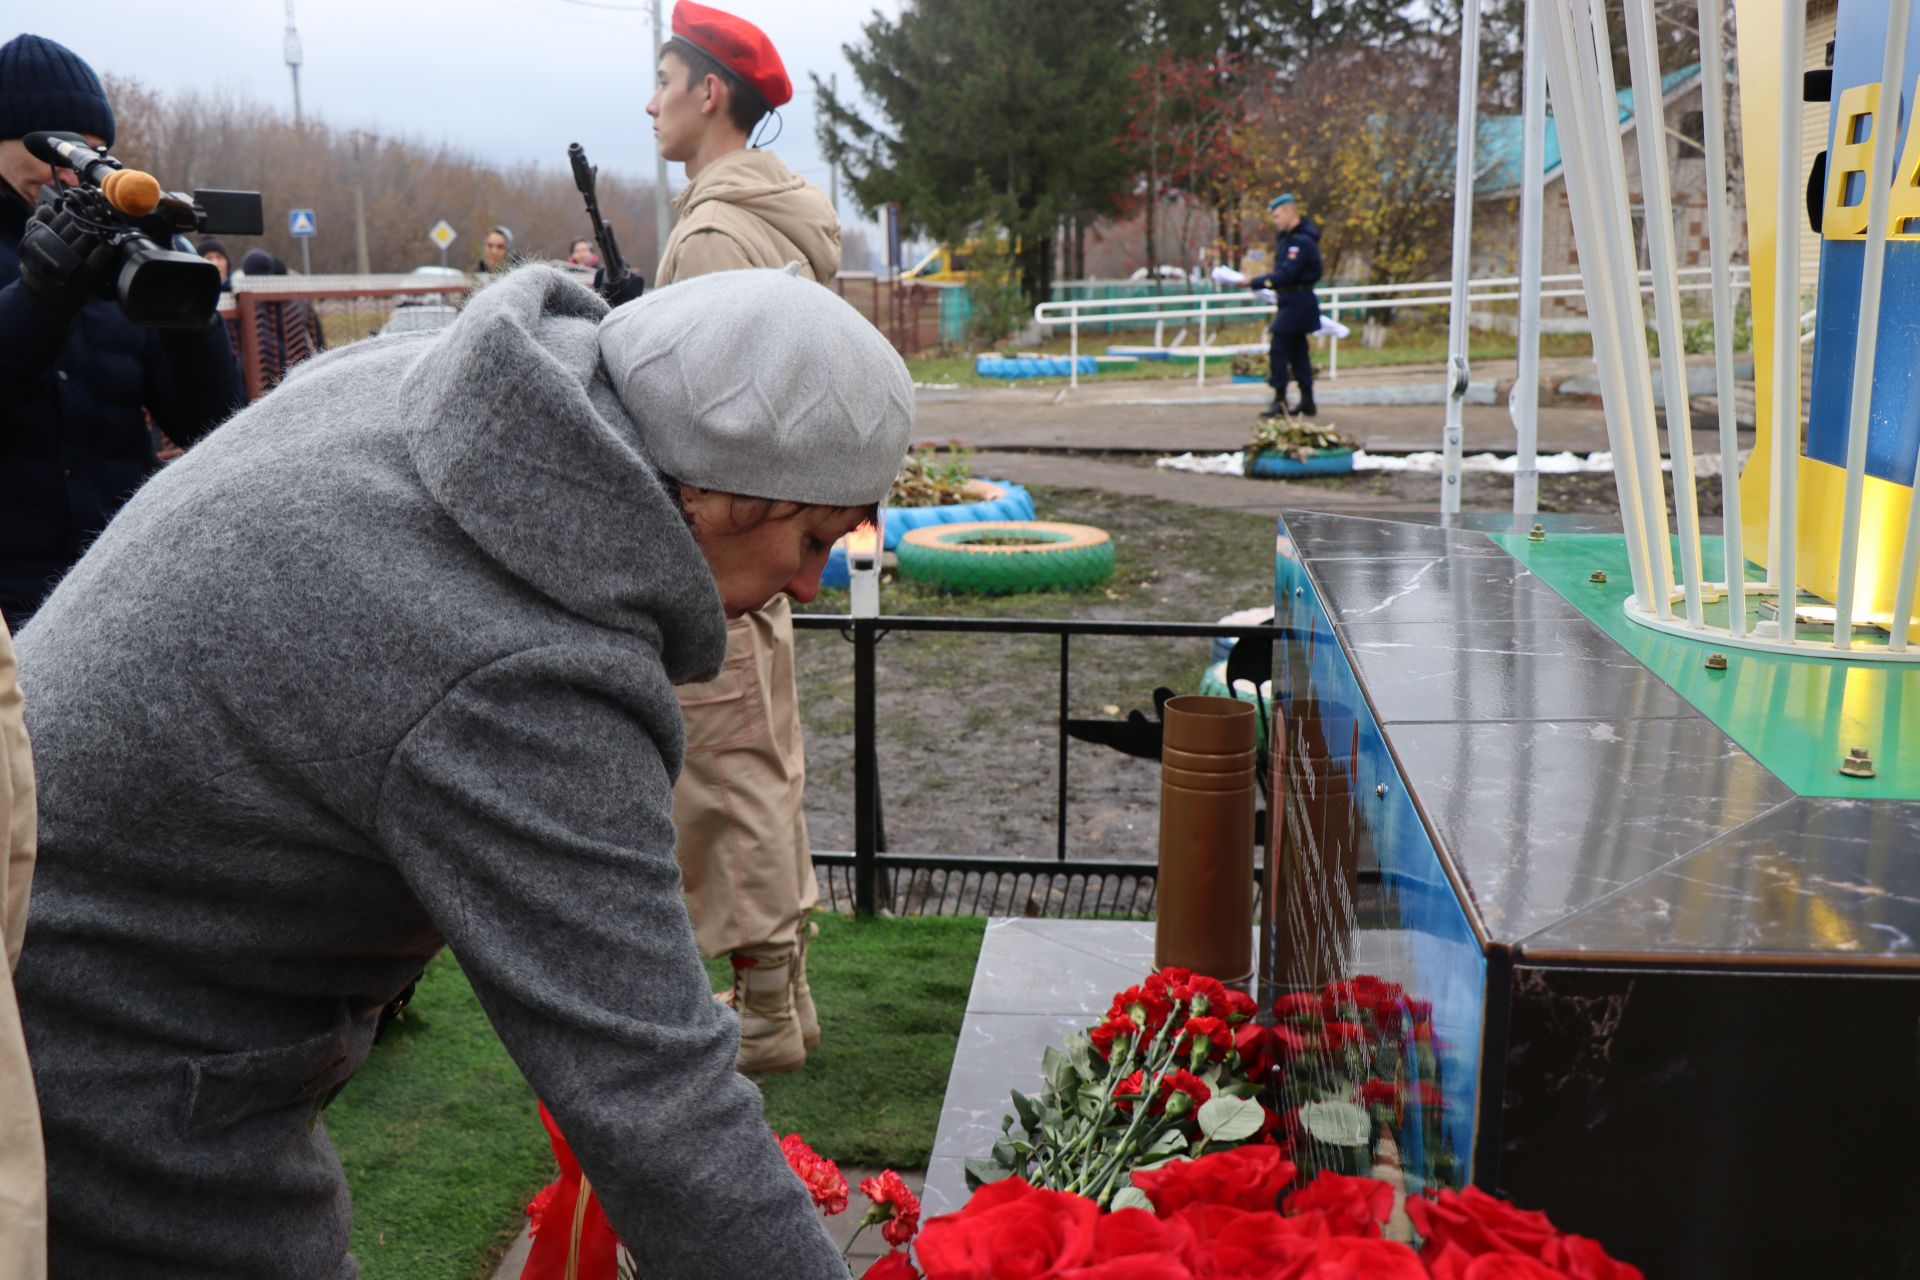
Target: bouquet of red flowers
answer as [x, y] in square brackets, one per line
[1164, 1074]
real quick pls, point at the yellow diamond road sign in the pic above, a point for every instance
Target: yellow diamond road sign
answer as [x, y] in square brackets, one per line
[442, 234]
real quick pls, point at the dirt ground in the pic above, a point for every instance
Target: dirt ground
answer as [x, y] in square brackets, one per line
[968, 743]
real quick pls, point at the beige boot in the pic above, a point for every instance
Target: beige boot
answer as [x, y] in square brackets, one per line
[802, 994]
[770, 1038]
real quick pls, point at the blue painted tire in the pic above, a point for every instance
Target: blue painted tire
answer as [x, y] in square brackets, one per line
[1279, 466]
[1033, 366]
[1005, 501]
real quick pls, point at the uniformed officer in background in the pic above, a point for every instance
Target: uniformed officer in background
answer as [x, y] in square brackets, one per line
[1296, 269]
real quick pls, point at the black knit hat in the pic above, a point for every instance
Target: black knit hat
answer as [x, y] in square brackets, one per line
[44, 85]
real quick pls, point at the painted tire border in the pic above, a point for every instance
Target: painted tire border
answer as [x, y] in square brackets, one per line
[1000, 500]
[1073, 556]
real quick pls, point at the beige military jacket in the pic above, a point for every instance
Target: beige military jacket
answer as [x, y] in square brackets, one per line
[23, 1172]
[747, 209]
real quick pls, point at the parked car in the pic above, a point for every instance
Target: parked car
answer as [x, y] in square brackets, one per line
[420, 317]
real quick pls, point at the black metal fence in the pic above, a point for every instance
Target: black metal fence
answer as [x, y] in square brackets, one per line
[869, 877]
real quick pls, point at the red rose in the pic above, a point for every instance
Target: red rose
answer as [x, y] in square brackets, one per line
[1182, 1084]
[1303, 1004]
[1584, 1259]
[1353, 1206]
[1239, 1244]
[1215, 1031]
[1338, 999]
[1111, 1030]
[822, 1177]
[1478, 1223]
[1009, 1231]
[1341, 1035]
[893, 1204]
[1125, 1233]
[1354, 1258]
[892, 1265]
[1509, 1266]
[1250, 1177]
[1139, 1266]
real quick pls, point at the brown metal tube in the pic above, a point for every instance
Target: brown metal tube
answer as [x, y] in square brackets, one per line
[1205, 898]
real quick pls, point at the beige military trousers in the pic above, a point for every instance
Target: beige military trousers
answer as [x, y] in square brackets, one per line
[739, 806]
[23, 1164]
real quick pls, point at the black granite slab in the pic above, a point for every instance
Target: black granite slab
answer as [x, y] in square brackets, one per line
[1716, 1125]
[1330, 537]
[1436, 588]
[1503, 670]
[1834, 879]
[1544, 817]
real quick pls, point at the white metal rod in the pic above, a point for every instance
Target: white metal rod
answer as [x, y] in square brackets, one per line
[1643, 59]
[1886, 138]
[1073, 354]
[1574, 115]
[1713, 94]
[1523, 402]
[1333, 344]
[1786, 305]
[1457, 331]
[1200, 375]
[1596, 44]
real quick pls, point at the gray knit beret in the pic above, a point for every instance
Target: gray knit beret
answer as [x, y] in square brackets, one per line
[764, 384]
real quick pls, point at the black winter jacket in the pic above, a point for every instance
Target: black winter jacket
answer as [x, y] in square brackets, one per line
[74, 443]
[1296, 269]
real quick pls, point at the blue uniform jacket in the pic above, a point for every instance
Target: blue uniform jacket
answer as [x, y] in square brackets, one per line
[74, 443]
[1296, 258]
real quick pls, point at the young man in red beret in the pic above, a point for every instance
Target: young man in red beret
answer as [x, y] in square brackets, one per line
[739, 804]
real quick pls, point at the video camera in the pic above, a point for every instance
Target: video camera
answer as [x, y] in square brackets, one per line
[130, 222]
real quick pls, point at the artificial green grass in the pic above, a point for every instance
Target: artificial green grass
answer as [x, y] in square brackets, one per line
[440, 1140]
[891, 996]
[443, 1147]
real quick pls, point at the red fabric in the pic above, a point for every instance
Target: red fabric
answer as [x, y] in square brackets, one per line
[737, 45]
[551, 1218]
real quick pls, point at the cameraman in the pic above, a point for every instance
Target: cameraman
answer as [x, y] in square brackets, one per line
[75, 373]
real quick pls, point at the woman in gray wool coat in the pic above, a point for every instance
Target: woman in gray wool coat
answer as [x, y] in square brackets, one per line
[386, 664]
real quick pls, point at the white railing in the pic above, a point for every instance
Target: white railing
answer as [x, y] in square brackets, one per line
[1576, 43]
[1353, 299]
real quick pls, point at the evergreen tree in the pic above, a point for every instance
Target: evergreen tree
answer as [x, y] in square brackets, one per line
[999, 116]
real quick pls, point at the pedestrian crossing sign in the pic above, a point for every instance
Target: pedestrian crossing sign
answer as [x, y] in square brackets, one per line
[300, 222]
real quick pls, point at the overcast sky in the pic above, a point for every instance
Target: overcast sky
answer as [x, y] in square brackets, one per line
[506, 80]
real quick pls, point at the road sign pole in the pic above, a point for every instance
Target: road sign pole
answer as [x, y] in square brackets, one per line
[306, 259]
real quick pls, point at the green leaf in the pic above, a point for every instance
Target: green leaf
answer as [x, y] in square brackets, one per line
[1058, 1068]
[1337, 1124]
[1229, 1119]
[1028, 1113]
[982, 1172]
[1167, 1143]
[1080, 1053]
[1240, 1089]
[1003, 1153]
[1130, 1197]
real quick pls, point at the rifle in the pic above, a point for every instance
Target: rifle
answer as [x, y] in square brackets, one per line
[617, 283]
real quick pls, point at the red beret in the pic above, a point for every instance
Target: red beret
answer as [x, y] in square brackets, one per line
[737, 45]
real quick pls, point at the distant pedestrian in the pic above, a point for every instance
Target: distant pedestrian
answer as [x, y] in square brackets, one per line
[1296, 269]
[216, 253]
[495, 251]
[583, 255]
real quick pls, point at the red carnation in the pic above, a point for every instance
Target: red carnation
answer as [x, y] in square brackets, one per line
[1342, 1035]
[1290, 1043]
[1203, 995]
[1352, 1206]
[1215, 1031]
[1128, 1090]
[823, 1179]
[1146, 1006]
[1300, 1005]
[893, 1204]
[1112, 1029]
[1256, 1047]
[1240, 1006]
[1182, 1083]
[1250, 1177]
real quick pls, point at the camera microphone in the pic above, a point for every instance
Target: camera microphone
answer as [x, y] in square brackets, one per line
[132, 192]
